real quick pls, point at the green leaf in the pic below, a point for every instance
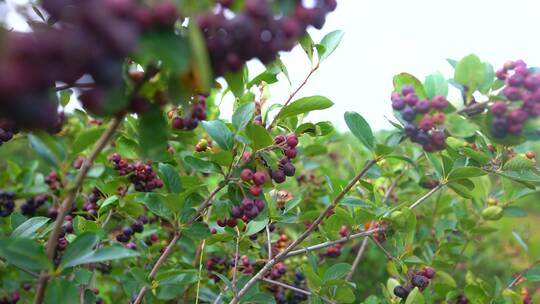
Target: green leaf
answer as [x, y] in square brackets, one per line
[336, 271]
[61, 290]
[201, 165]
[259, 136]
[436, 85]
[360, 128]
[170, 177]
[24, 253]
[459, 126]
[330, 42]
[29, 228]
[465, 172]
[47, 147]
[415, 297]
[242, 116]
[489, 78]
[470, 72]
[153, 134]
[114, 252]
[518, 162]
[304, 105]
[236, 81]
[197, 231]
[404, 79]
[345, 294]
[256, 225]
[81, 247]
[166, 46]
[307, 45]
[85, 139]
[219, 133]
[109, 200]
[80, 224]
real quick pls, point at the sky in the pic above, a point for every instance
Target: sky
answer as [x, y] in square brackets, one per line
[387, 37]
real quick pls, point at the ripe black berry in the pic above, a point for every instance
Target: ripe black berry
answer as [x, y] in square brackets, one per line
[420, 281]
[401, 292]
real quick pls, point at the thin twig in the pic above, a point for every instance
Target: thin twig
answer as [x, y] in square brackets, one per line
[287, 286]
[200, 272]
[67, 204]
[291, 96]
[269, 242]
[520, 274]
[473, 107]
[332, 243]
[305, 234]
[386, 253]
[427, 195]
[75, 85]
[236, 257]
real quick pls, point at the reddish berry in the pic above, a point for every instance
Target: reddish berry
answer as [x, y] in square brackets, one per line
[259, 178]
[246, 175]
[292, 140]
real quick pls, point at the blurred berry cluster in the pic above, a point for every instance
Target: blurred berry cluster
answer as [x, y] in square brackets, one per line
[522, 91]
[191, 121]
[128, 231]
[424, 118]
[255, 32]
[7, 203]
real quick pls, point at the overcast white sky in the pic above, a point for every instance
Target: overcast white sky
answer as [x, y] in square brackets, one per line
[386, 37]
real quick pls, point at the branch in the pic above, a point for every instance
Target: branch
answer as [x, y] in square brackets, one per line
[236, 254]
[287, 286]
[472, 109]
[334, 242]
[269, 127]
[304, 235]
[426, 196]
[67, 204]
[520, 274]
[269, 242]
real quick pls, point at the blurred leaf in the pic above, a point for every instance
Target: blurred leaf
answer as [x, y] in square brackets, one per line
[236, 81]
[307, 45]
[330, 42]
[259, 136]
[86, 139]
[47, 147]
[459, 126]
[82, 246]
[242, 116]
[470, 73]
[336, 271]
[153, 134]
[24, 253]
[165, 46]
[436, 85]
[60, 290]
[465, 172]
[256, 225]
[415, 297]
[201, 165]
[404, 79]
[201, 59]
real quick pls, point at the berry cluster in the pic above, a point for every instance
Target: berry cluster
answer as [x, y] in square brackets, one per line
[522, 91]
[191, 121]
[255, 32]
[419, 280]
[216, 264]
[152, 239]
[246, 211]
[7, 203]
[293, 297]
[33, 203]
[425, 130]
[90, 205]
[89, 38]
[13, 298]
[141, 175]
[379, 236]
[52, 180]
[285, 167]
[130, 230]
[277, 271]
[246, 266]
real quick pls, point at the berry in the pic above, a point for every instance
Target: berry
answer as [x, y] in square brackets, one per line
[398, 104]
[428, 272]
[410, 130]
[401, 292]
[255, 190]
[259, 178]
[292, 140]
[530, 155]
[278, 176]
[422, 106]
[407, 89]
[290, 152]
[517, 116]
[236, 212]
[411, 99]
[279, 139]
[289, 169]
[498, 108]
[246, 175]
[439, 102]
[512, 93]
[127, 231]
[426, 123]
[178, 123]
[439, 118]
[408, 114]
[138, 226]
[420, 281]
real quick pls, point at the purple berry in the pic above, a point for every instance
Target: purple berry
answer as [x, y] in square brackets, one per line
[498, 108]
[407, 89]
[408, 114]
[439, 102]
